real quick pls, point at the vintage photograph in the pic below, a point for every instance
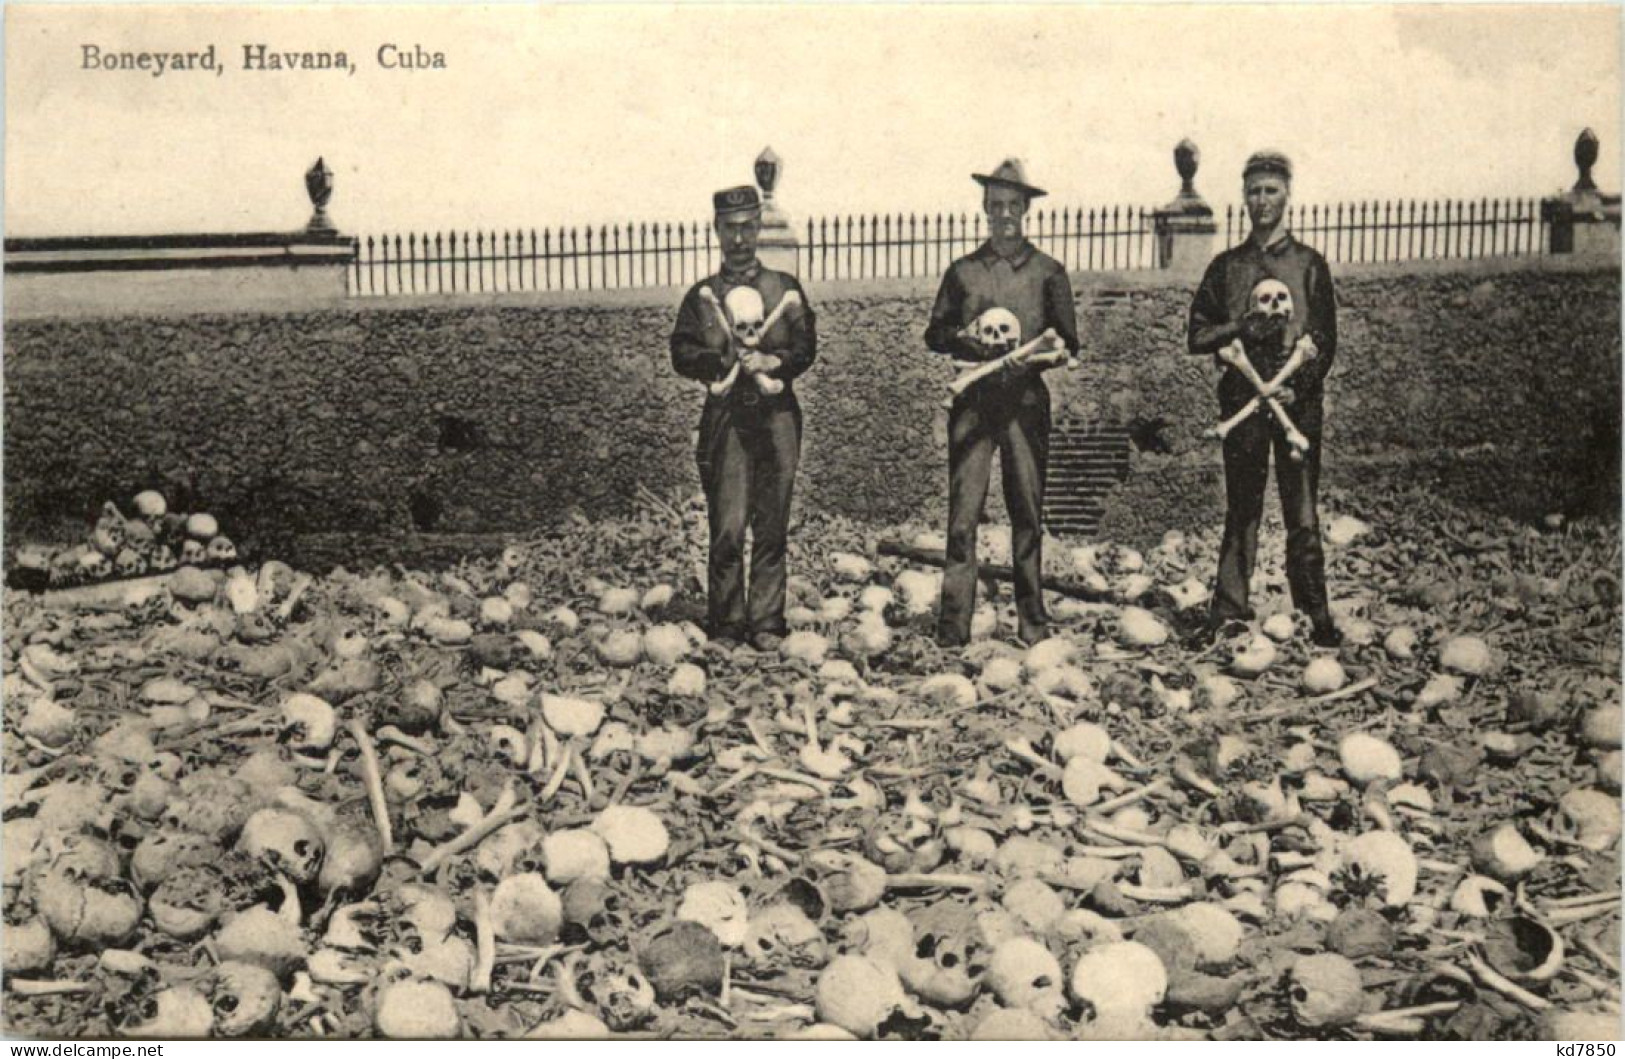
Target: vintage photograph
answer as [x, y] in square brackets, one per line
[908, 522]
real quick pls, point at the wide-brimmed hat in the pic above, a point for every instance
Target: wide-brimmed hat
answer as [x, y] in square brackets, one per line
[1010, 173]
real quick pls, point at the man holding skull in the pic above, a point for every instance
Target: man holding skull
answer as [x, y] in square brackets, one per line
[1267, 310]
[1008, 411]
[750, 428]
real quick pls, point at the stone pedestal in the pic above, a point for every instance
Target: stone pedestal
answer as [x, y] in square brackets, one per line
[778, 248]
[1583, 220]
[1185, 228]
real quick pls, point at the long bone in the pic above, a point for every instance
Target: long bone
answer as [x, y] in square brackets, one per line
[1048, 342]
[1236, 356]
[1298, 359]
[766, 385]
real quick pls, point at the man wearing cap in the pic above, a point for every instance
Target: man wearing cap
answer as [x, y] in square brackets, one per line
[749, 439]
[1219, 316]
[1008, 412]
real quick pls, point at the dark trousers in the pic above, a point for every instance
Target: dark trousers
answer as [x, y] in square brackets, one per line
[747, 457]
[1019, 430]
[1246, 471]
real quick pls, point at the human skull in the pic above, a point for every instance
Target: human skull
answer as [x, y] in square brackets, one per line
[592, 909]
[108, 537]
[782, 932]
[623, 996]
[285, 841]
[94, 566]
[130, 564]
[1023, 974]
[193, 553]
[1272, 298]
[999, 330]
[951, 958]
[1588, 818]
[245, 998]
[747, 313]
[162, 560]
[221, 550]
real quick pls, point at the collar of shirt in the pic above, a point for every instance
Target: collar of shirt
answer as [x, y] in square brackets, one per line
[1282, 242]
[737, 276]
[988, 255]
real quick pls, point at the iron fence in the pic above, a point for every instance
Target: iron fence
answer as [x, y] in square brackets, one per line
[1411, 230]
[880, 246]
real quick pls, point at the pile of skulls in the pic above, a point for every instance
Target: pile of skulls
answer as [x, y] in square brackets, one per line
[153, 540]
[526, 797]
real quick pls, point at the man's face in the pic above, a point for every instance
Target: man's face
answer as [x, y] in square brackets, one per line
[738, 233]
[1005, 208]
[1267, 196]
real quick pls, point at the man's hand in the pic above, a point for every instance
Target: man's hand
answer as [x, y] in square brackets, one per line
[761, 363]
[1257, 328]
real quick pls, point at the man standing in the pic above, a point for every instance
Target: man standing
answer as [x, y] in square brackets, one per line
[750, 428]
[1009, 411]
[1223, 313]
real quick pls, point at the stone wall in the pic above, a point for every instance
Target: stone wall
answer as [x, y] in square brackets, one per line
[1497, 382]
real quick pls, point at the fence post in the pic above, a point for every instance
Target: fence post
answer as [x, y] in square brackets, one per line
[778, 248]
[1185, 227]
[1583, 220]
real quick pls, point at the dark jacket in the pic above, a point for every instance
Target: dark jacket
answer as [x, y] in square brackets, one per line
[1226, 295]
[701, 346]
[1030, 284]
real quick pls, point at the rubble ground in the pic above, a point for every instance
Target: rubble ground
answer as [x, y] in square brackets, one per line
[525, 797]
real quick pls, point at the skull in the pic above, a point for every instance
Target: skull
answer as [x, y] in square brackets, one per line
[286, 842]
[998, 330]
[1588, 818]
[950, 957]
[193, 553]
[108, 537]
[308, 723]
[221, 550]
[1272, 298]
[624, 998]
[245, 998]
[94, 566]
[162, 560]
[903, 843]
[130, 564]
[747, 313]
[593, 910]
[177, 1013]
[783, 932]
[1023, 974]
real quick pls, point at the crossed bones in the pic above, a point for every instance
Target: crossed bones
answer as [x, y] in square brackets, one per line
[764, 383]
[1235, 355]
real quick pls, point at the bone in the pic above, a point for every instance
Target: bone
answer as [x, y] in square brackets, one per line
[1027, 353]
[767, 385]
[502, 814]
[485, 944]
[375, 784]
[1236, 357]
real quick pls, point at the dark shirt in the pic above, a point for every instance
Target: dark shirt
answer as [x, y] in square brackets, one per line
[702, 348]
[1226, 295]
[1030, 284]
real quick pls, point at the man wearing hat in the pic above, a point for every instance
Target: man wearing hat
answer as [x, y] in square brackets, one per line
[1008, 412]
[749, 438]
[1219, 316]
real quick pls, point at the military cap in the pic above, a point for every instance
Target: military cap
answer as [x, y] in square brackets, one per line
[1267, 162]
[742, 199]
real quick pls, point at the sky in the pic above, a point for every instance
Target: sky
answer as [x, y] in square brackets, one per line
[590, 113]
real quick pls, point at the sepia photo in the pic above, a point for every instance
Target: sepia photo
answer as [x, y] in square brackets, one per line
[908, 522]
